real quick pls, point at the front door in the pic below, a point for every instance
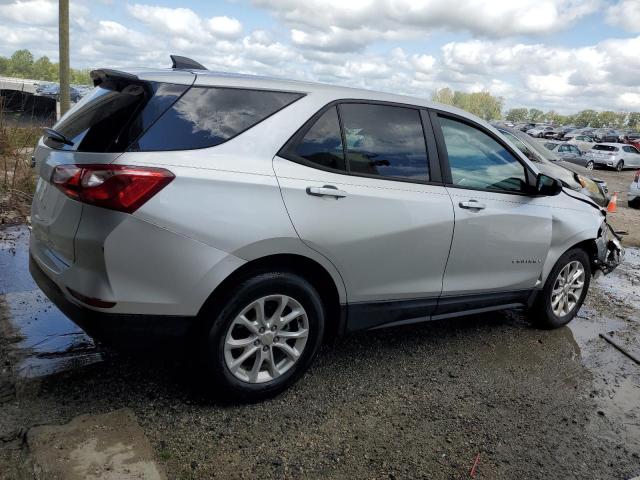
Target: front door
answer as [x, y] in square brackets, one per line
[365, 198]
[502, 235]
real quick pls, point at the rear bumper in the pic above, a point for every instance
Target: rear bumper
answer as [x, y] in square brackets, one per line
[132, 333]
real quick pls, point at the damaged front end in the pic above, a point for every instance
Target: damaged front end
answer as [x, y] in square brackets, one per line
[610, 252]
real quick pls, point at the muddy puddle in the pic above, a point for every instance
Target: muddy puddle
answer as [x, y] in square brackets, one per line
[44, 341]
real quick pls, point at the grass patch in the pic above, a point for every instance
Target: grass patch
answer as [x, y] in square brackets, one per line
[17, 178]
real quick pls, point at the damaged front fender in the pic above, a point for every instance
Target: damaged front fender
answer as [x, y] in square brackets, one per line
[610, 251]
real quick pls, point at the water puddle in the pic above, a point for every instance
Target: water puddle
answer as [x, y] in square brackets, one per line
[44, 341]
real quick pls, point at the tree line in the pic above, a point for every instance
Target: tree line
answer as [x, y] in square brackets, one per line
[22, 64]
[489, 107]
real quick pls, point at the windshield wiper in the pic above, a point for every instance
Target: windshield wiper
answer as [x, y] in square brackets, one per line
[57, 136]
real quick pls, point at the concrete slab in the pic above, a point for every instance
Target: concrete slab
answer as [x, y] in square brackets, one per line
[111, 446]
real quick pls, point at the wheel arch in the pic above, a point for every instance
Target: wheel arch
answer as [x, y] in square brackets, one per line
[331, 292]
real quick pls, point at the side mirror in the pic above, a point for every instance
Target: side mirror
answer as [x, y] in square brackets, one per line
[548, 186]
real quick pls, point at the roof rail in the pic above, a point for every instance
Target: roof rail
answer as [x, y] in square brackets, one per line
[186, 63]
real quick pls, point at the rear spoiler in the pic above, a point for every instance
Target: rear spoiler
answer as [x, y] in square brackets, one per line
[104, 74]
[177, 63]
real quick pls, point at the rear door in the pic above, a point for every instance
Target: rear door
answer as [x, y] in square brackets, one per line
[502, 235]
[369, 197]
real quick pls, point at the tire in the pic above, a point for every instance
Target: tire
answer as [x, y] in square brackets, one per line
[589, 165]
[543, 313]
[222, 326]
[620, 166]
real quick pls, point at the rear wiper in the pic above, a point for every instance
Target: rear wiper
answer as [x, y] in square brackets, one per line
[57, 136]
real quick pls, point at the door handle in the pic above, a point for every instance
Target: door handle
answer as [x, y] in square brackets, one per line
[472, 205]
[326, 191]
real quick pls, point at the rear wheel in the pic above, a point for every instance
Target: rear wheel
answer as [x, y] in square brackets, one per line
[264, 338]
[564, 291]
[619, 166]
[590, 165]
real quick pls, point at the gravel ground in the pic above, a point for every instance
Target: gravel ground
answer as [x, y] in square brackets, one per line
[410, 402]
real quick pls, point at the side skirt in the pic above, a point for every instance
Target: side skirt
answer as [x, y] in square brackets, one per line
[374, 315]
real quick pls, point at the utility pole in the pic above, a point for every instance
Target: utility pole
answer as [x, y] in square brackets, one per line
[63, 43]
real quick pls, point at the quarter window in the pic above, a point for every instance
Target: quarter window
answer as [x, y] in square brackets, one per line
[384, 140]
[205, 117]
[480, 162]
[322, 144]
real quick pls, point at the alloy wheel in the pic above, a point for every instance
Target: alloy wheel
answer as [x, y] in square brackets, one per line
[590, 166]
[266, 339]
[567, 289]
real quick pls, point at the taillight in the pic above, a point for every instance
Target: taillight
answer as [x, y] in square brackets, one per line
[116, 187]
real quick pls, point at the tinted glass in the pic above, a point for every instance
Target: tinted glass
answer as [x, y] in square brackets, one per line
[384, 140]
[113, 115]
[605, 148]
[205, 117]
[551, 146]
[322, 144]
[479, 161]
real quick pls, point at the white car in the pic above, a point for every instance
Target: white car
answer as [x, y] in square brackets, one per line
[633, 196]
[539, 131]
[583, 142]
[614, 155]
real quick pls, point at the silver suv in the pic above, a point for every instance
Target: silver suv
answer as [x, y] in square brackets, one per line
[253, 217]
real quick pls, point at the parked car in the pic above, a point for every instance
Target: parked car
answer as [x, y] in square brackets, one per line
[632, 139]
[569, 153]
[583, 142]
[571, 176]
[633, 196]
[558, 133]
[539, 131]
[607, 135]
[618, 156]
[254, 217]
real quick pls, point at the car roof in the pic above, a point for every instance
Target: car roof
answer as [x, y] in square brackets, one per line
[241, 80]
[610, 144]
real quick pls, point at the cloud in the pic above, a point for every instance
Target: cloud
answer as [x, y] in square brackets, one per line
[358, 46]
[31, 12]
[185, 22]
[335, 24]
[625, 14]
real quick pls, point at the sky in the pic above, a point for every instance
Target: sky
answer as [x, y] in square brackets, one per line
[562, 55]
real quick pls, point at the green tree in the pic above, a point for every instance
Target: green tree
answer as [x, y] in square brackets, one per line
[517, 115]
[21, 63]
[535, 115]
[43, 69]
[444, 95]
[587, 118]
[633, 120]
[80, 77]
[606, 119]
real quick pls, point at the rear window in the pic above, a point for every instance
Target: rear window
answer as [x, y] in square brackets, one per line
[605, 148]
[206, 117]
[110, 119]
[551, 146]
[150, 116]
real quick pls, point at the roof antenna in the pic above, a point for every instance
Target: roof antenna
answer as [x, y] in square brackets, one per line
[185, 63]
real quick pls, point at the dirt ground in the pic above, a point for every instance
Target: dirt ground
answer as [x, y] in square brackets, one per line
[410, 402]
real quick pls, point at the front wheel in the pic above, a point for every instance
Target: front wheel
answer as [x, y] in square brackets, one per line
[564, 291]
[620, 166]
[590, 165]
[264, 338]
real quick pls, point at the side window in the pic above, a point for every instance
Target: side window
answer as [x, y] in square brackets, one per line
[574, 150]
[564, 148]
[208, 116]
[480, 162]
[626, 149]
[322, 144]
[385, 140]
